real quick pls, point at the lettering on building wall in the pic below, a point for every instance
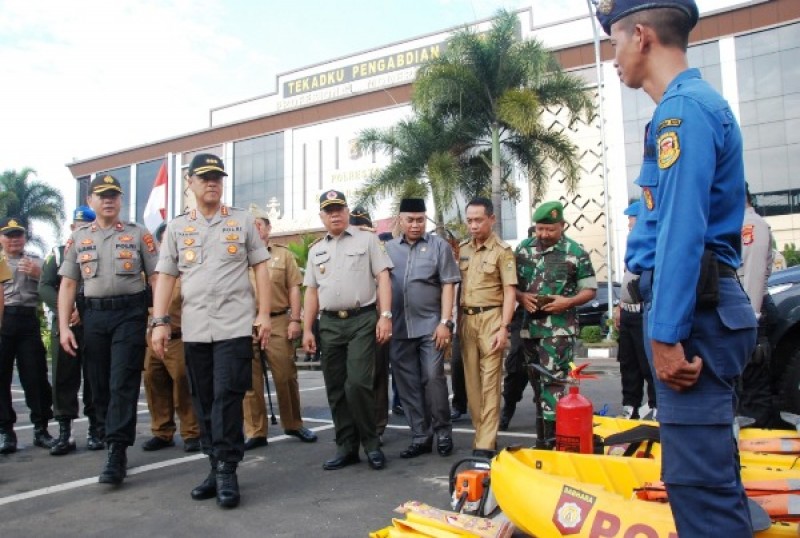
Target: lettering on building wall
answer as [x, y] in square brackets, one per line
[362, 70]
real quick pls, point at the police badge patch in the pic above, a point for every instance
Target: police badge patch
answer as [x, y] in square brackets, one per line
[669, 149]
[604, 7]
[748, 234]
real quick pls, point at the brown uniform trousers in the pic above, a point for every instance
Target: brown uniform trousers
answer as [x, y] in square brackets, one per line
[485, 271]
[281, 361]
[166, 384]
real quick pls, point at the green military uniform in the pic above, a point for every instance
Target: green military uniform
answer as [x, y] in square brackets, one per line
[561, 269]
[343, 269]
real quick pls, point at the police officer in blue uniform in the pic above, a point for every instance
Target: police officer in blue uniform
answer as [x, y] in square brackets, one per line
[687, 238]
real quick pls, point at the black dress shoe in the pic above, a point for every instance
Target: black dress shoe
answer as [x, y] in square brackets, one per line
[157, 443]
[445, 445]
[376, 459]
[341, 461]
[302, 433]
[398, 410]
[255, 442]
[8, 441]
[455, 414]
[42, 438]
[191, 444]
[482, 453]
[416, 449]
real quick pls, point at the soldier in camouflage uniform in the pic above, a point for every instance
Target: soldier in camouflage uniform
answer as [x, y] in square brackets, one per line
[555, 276]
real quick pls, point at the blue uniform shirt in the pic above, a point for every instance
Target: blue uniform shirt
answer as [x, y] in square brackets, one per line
[692, 181]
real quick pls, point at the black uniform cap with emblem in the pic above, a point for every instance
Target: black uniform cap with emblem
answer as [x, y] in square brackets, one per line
[105, 184]
[329, 198]
[203, 163]
[10, 225]
[360, 217]
[610, 11]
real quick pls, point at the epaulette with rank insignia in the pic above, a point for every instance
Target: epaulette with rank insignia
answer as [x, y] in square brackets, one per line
[464, 242]
[317, 240]
[502, 243]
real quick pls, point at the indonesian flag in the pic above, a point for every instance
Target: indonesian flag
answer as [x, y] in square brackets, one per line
[155, 212]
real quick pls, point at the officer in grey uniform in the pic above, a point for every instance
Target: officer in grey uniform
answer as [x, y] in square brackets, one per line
[754, 388]
[211, 248]
[21, 339]
[108, 258]
[68, 370]
[343, 269]
[424, 278]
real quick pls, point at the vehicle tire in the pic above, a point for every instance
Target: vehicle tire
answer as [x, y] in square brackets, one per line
[789, 397]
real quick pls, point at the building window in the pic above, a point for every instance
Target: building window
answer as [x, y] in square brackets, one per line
[258, 177]
[146, 174]
[83, 189]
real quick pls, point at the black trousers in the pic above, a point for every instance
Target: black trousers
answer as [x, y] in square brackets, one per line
[219, 375]
[114, 350]
[21, 339]
[516, 377]
[457, 383]
[633, 365]
[67, 374]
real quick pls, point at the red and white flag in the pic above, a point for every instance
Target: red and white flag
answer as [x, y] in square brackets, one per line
[155, 212]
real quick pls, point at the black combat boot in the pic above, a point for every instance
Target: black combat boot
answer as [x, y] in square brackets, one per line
[227, 485]
[116, 465]
[64, 444]
[8, 440]
[208, 488]
[41, 437]
[94, 441]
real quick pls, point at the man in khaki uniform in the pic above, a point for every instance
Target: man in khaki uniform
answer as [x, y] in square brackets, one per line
[21, 340]
[285, 313]
[488, 283]
[211, 248]
[109, 257]
[167, 386]
[343, 269]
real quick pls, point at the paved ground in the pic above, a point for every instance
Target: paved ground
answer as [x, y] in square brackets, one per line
[285, 491]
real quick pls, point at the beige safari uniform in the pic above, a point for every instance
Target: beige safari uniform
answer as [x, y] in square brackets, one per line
[5, 270]
[110, 262]
[218, 301]
[166, 384]
[284, 274]
[485, 271]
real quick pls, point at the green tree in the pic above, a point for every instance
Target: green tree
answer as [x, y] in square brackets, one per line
[426, 159]
[503, 85]
[25, 197]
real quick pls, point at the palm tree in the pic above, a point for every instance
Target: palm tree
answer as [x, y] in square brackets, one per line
[31, 200]
[504, 85]
[426, 159]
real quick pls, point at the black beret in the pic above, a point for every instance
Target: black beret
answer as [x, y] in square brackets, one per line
[610, 11]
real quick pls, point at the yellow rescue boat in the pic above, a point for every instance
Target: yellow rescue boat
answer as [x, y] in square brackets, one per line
[553, 494]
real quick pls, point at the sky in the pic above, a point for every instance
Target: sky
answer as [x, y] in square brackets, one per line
[88, 77]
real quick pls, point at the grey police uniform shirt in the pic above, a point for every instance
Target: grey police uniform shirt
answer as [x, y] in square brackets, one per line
[212, 258]
[22, 289]
[343, 269]
[756, 257]
[419, 272]
[110, 262]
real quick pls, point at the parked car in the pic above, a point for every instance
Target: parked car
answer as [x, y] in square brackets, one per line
[595, 312]
[784, 336]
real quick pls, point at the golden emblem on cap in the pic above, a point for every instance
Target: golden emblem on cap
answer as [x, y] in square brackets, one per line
[233, 249]
[108, 179]
[127, 266]
[554, 213]
[331, 195]
[605, 6]
[190, 255]
[231, 223]
[188, 241]
[232, 237]
[12, 222]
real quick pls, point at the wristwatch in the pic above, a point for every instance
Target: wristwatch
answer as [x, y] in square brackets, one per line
[157, 322]
[386, 314]
[448, 323]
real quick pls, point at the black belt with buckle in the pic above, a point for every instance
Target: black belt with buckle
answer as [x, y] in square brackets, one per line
[344, 314]
[278, 313]
[472, 310]
[20, 310]
[117, 302]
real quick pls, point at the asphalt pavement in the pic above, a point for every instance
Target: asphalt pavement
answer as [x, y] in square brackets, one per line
[285, 491]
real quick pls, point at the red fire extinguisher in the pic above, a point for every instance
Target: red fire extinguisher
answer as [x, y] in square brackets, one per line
[574, 423]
